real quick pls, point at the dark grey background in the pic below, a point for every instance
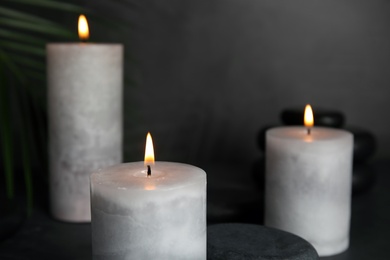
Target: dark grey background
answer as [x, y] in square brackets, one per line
[210, 73]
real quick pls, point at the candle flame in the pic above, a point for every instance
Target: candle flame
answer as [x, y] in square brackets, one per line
[308, 118]
[83, 28]
[149, 151]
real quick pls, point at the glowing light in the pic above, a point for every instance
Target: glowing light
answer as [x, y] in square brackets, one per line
[308, 118]
[83, 28]
[149, 151]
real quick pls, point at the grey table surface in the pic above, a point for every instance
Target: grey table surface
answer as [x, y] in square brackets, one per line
[42, 237]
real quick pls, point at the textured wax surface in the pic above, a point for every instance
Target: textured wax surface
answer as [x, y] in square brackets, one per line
[299, 133]
[161, 217]
[85, 121]
[308, 186]
[164, 175]
[254, 242]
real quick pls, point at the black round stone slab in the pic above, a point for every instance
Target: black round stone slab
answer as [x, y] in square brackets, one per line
[364, 144]
[322, 117]
[235, 241]
[363, 178]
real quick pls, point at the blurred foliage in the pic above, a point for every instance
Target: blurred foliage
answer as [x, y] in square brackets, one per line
[25, 28]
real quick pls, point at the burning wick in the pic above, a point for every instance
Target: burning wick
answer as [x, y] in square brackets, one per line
[149, 154]
[149, 171]
[83, 28]
[308, 119]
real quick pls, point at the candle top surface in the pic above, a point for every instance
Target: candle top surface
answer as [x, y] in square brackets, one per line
[301, 133]
[78, 44]
[133, 176]
[83, 47]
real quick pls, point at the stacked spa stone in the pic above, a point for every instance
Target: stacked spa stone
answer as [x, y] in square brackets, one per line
[236, 241]
[364, 145]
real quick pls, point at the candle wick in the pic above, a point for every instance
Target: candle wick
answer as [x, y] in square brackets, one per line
[308, 130]
[149, 171]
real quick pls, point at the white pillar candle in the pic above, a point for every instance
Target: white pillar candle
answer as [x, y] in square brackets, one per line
[162, 216]
[308, 185]
[85, 85]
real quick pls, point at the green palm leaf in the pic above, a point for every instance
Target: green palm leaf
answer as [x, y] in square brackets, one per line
[30, 63]
[51, 4]
[23, 36]
[35, 27]
[11, 45]
[5, 133]
[8, 12]
[22, 50]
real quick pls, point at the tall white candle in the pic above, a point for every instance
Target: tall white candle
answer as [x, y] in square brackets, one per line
[308, 185]
[158, 217]
[85, 121]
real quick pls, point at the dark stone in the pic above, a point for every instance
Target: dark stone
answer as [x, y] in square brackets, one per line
[364, 144]
[322, 117]
[254, 242]
[363, 178]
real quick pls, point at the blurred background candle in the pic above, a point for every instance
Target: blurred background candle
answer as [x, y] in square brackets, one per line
[85, 85]
[308, 184]
[143, 210]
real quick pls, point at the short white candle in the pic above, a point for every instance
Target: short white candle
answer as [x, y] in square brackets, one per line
[162, 216]
[85, 83]
[308, 185]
